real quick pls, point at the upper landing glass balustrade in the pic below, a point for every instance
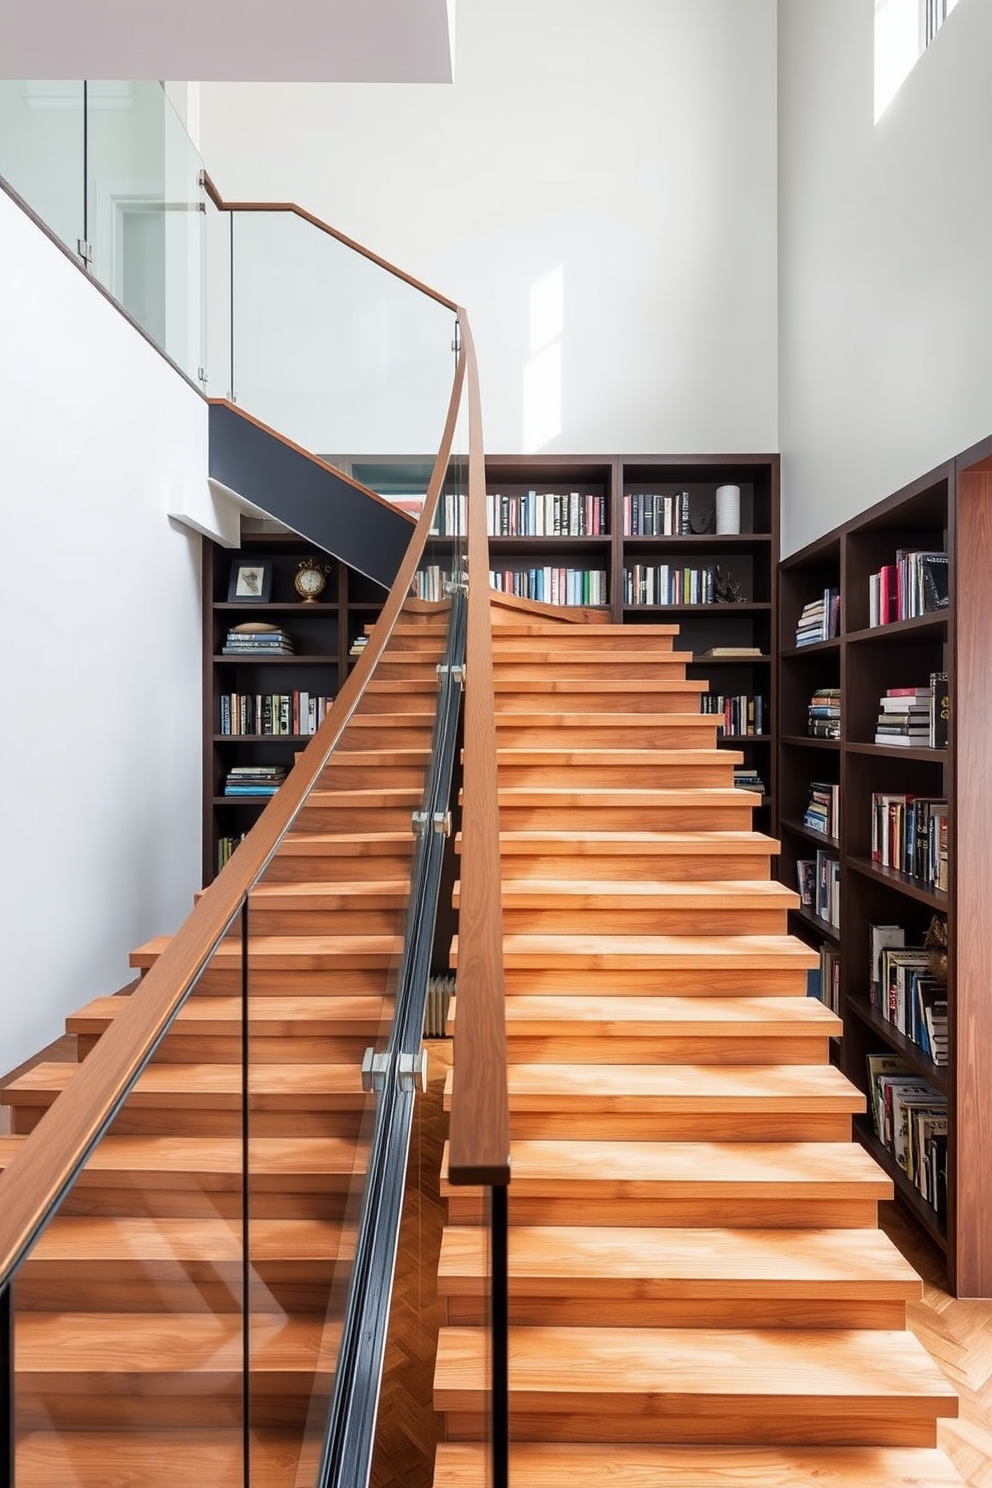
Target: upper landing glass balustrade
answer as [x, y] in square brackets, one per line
[303, 331]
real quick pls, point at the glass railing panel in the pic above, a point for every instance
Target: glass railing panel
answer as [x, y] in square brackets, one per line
[343, 357]
[328, 920]
[41, 152]
[129, 1339]
[145, 215]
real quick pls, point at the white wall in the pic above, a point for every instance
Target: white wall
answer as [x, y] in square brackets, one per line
[885, 308]
[99, 670]
[625, 145]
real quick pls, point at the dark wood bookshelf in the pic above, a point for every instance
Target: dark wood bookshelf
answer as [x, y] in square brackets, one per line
[322, 631]
[829, 844]
[816, 925]
[949, 509]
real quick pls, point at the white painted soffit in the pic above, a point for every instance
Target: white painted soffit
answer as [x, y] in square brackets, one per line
[303, 41]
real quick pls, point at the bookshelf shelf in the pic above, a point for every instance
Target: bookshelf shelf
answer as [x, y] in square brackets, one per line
[803, 741]
[913, 888]
[829, 844]
[702, 609]
[927, 1218]
[944, 512]
[820, 927]
[914, 1056]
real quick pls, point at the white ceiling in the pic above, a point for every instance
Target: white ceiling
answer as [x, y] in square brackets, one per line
[389, 41]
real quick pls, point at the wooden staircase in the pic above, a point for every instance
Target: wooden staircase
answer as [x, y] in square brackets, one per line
[699, 1293]
[129, 1329]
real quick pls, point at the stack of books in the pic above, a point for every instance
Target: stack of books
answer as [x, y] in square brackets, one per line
[904, 717]
[820, 619]
[254, 780]
[824, 714]
[256, 638]
[823, 810]
[746, 778]
[910, 1119]
[916, 584]
[358, 645]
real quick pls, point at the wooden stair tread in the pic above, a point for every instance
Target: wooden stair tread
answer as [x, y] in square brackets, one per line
[627, 1465]
[685, 1088]
[142, 1345]
[601, 686]
[602, 655]
[619, 720]
[609, 797]
[215, 1161]
[697, 1370]
[315, 1087]
[314, 952]
[600, 1261]
[120, 1239]
[269, 1015]
[516, 627]
[713, 1017]
[191, 1458]
[760, 951]
[395, 796]
[627, 1169]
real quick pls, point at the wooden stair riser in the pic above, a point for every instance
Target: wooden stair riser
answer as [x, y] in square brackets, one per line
[299, 982]
[330, 816]
[667, 868]
[274, 920]
[580, 668]
[339, 775]
[460, 1465]
[610, 1047]
[394, 698]
[566, 1309]
[330, 868]
[119, 1286]
[707, 771]
[651, 981]
[630, 919]
[662, 732]
[683, 1385]
[612, 641]
[572, 697]
[729, 815]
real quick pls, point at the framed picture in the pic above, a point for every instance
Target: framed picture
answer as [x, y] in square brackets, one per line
[251, 581]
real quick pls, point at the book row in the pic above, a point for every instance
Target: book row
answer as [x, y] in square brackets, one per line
[905, 992]
[557, 586]
[648, 514]
[546, 514]
[820, 619]
[915, 716]
[818, 880]
[255, 638]
[299, 713]
[823, 981]
[225, 847]
[910, 1119]
[254, 780]
[823, 717]
[822, 812]
[909, 833]
[664, 584]
[916, 584]
[743, 714]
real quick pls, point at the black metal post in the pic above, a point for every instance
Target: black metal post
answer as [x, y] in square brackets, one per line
[500, 1319]
[7, 1386]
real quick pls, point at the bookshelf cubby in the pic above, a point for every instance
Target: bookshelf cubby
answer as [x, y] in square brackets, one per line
[322, 634]
[747, 557]
[948, 510]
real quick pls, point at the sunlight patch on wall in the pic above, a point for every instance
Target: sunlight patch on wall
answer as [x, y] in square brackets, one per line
[903, 31]
[542, 372]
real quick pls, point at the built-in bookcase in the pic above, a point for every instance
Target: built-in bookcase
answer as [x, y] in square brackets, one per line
[947, 511]
[322, 634]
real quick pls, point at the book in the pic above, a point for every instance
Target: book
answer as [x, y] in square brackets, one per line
[733, 651]
[880, 1067]
[939, 711]
[880, 936]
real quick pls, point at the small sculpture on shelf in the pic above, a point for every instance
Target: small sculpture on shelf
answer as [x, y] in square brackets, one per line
[935, 942]
[726, 589]
[701, 523]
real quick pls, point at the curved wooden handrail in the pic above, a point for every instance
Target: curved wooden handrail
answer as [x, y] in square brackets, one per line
[332, 232]
[46, 1164]
[479, 1149]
